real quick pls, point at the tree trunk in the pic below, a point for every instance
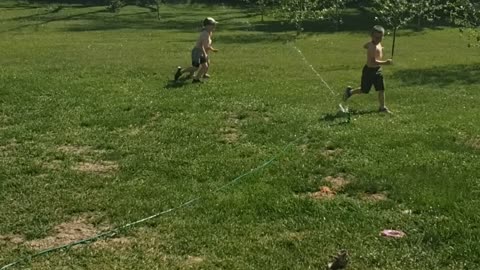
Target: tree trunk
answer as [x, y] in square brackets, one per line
[157, 2]
[394, 38]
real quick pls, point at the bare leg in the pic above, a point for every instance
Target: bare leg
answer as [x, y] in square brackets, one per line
[381, 99]
[203, 69]
[190, 70]
[206, 73]
[357, 91]
[181, 71]
[350, 92]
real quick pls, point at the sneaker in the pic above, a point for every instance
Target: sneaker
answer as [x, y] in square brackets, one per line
[178, 73]
[347, 94]
[196, 81]
[206, 76]
[384, 110]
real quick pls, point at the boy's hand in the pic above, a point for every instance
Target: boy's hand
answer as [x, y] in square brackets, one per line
[214, 50]
[389, 61]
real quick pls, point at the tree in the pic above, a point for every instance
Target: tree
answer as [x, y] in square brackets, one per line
[262, 5]
[148, 3]
[299, 11]
[395, 13]
[115, 5]
[466, 14]
[428, 10]
[333, 11]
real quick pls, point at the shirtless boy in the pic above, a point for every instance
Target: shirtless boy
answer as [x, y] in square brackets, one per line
[200, 60]
[372, 71]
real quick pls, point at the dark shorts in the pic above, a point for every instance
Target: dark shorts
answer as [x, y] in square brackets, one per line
[198, 57]
[372, 76]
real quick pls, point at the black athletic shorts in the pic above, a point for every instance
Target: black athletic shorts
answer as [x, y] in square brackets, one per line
[198, 57]
[372, 76]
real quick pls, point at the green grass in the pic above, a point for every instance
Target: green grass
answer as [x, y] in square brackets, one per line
[100, 82]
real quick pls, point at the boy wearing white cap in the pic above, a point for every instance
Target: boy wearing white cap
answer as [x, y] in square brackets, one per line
[200, 60]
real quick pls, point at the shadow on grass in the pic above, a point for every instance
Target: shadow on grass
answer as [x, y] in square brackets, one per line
[43, 21]
[175, 19]
[38, 15]
[70, 2]
[180, 83]
[182, 18]
[179, 18]
[354, 20]
[255, 38]
[39, 4]
[14, 6]
[440, 76]
[179, 21]
[330, 117]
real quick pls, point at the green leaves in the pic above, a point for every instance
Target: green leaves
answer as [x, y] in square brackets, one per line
[394, 13]
[299, 11]
[465, 13]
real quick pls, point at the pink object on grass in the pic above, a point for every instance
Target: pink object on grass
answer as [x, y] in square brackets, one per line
[393, 233]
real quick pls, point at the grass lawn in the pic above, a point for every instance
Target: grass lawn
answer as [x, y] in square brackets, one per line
[94, 135]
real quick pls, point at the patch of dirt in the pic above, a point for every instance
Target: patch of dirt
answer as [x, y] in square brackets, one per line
[374, 197]
[68, 232]
[151, 122]
[233, 119]
[65, 233]
[155, 117]
[78, 150]
[474, 143]
[471, 141]
[337, 183]
[193, 260]
[102, 167]
[12, 239]
[334, 185]
[134, 131]
[113, 243]
[303, 148]
[53, 165]
[11, 145]
[323, 193]
[86, 153]
[329, 153]
[295, 236]
[73, 149]
[230, 135]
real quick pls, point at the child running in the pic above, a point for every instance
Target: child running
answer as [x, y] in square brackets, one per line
[200, 59]
[372, 71]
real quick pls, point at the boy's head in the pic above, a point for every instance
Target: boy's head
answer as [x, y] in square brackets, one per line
[209, 23]
[377, 34]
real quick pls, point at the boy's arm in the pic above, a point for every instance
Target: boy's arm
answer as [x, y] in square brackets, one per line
[212, 49]
[207, 47]
[366, 45]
